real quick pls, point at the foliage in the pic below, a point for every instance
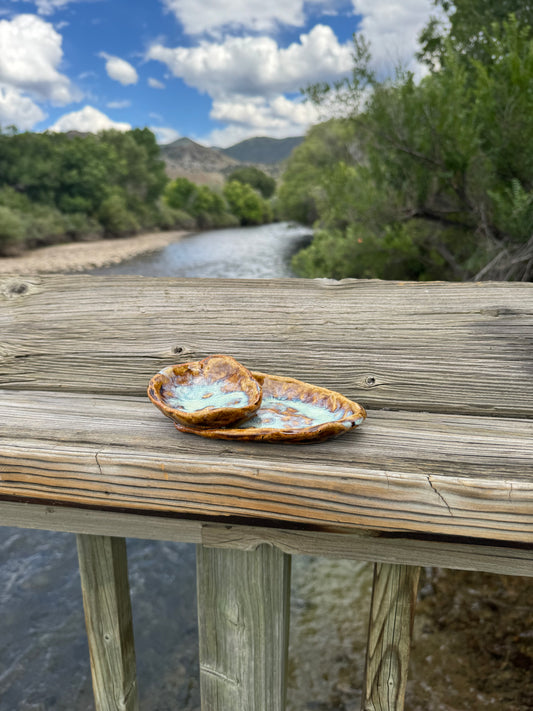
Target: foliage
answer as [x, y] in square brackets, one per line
[468, 24]
[11, 228]
[206, 207]
[257, 179]
[246, 204]
[180, 193]
[115, 217]
[170, 218]
[437, 181]
[303, 191]
[67, 186]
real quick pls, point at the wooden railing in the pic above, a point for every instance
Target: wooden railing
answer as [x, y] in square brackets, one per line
[440, 474]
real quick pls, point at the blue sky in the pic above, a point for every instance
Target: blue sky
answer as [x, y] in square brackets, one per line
[217, 71]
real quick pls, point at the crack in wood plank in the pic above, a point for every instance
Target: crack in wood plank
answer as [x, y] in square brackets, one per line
[441, 497]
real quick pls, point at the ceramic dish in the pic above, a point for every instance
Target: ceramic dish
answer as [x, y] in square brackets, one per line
[213, 392]
[291, 411]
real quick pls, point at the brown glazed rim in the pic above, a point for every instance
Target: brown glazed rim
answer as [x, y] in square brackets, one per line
[313, 433]
[208, 416]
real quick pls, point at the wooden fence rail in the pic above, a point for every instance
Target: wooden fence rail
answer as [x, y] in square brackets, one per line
[441, 474]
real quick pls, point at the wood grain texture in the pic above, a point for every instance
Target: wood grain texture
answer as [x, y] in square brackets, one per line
[106, 601]
[403, 472]
[460, 348]
[243, 621]
[370, 546]
[389, 637]
[357, 545]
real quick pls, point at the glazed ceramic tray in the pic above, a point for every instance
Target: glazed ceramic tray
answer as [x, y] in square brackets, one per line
[214, 392]
[291, 411]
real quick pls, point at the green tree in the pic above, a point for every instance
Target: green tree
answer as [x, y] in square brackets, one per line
[82, 176]
[257, 179]
[115, 217]
[444, 181]
[468, 24]
[304, 190]
[11, 229]
[245, 203]
[180, 194]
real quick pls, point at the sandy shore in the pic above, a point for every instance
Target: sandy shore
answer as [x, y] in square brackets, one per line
[78, 256]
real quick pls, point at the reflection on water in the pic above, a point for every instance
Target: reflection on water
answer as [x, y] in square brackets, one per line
[246, 252]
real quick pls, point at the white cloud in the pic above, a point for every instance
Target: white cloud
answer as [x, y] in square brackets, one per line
[261, 114]
[252, 79]
[278, 117]
[392, 27]
[87, 120]
[119, 70]
[47, 7]
[124, 104]
[165, 134]
[18, 110]
[248, 78]
[257, 66]
[155, 83]
[256, 15]
[31, 53]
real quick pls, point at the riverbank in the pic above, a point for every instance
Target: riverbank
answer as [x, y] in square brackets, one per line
[80, 256]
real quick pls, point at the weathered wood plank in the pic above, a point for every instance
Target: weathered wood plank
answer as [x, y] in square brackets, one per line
[463, 348]
[104, 523]
[243, 619]
[106, 600]
[358, 545]
[369, 546]
[437, 474]
[389, 637]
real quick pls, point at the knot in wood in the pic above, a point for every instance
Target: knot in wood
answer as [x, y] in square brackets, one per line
[18, 288]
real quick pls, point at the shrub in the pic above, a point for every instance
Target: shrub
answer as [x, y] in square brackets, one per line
[44, 225]
[245, 203]
[115, 218]
[255, 178]
[11, 229]
[80, 226]
[180, 193]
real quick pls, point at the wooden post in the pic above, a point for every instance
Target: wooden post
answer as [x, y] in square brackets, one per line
[389, 636]
[243, 615]
[106, 600]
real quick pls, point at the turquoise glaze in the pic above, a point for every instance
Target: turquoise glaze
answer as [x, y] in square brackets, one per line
[280, 413]
[194, 397]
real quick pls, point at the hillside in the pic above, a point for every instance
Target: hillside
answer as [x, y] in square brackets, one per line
[263, 149]
[209, 166]
[187, 159]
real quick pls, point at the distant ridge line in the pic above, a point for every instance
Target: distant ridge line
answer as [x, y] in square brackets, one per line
[263, 149]
[186, 158]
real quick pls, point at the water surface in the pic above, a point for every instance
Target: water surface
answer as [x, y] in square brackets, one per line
[245, 252]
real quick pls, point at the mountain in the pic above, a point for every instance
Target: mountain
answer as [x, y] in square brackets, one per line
[210, 166]
[262, 149]
[187, 159]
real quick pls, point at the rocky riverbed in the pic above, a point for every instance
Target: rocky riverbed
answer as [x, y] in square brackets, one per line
[80, 256]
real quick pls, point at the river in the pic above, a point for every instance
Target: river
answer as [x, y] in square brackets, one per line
[44, 660]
